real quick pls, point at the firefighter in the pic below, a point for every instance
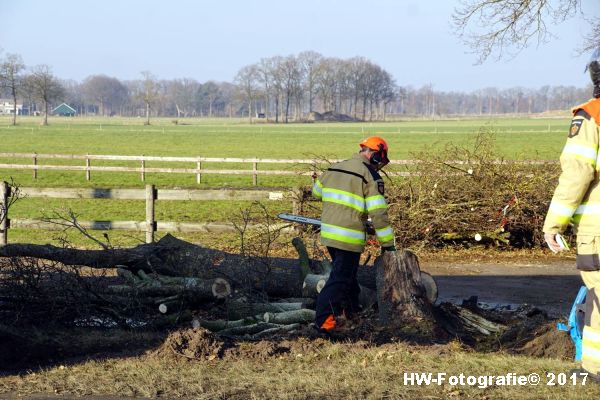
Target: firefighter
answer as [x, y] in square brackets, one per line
[577, 199]
[352, 191]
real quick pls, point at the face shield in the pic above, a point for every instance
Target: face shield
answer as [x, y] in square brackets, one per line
[593, 66]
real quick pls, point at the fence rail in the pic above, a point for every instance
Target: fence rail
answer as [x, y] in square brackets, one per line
[198, 170]
[150, 194]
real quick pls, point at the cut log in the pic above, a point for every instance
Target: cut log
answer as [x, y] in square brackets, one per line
[430, 286]
[307, 302]
[400, 293]
[194, 288]
[220, 324]
[247, 330]
[290, 317]
[313, 284]
[238, 310]
[304, 261]
[326, 266]
[272, 331]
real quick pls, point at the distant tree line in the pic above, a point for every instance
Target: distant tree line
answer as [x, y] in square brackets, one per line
[280, 89]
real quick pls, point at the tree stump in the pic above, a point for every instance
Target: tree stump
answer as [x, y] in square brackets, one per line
[401, 295]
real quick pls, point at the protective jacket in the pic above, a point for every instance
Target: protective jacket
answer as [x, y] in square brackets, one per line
[351, 192]
[577, 196]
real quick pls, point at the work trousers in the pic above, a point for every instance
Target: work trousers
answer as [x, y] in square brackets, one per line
[340, 293]
[588, 251]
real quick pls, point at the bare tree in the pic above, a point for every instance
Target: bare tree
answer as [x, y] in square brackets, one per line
[209, 92]
[183, 93]
[74, 95]
[247, 80]
[310, 60]
[291, 75]
[106, 92]
[45, 87]
[11, 79]
[149, 92]
[511, 25]
[326, 78]
[266, 70]
[592, 39]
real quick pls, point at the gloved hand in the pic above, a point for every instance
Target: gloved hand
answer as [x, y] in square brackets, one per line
[388, 248]
[553, 244]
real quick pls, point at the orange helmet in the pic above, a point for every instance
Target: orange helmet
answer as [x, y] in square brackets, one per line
[380, 148]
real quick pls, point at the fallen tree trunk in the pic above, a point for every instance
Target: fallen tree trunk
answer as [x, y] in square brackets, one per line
[238, 310]
[279, 277]
[271, 331]
[290, 317]
[220, 324]
[160, 285]
[248, 329]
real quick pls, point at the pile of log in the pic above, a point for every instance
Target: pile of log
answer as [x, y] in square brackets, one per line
[247, 297]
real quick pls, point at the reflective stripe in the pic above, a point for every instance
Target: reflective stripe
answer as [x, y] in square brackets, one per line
[342, 234]
[591, 334]
[590, 344]
[561, 209]
[589, 353]
[588, 153]
[344, 198]
[317, 189]
[385, 234]
[587, 208]
[375, 202]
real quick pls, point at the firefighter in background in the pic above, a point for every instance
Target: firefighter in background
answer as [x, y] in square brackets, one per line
[577, 198]
[351, 191]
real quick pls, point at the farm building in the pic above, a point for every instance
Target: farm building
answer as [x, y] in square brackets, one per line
[64, 110]
[7, 105]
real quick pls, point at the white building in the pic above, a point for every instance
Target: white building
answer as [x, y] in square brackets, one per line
[7, 106]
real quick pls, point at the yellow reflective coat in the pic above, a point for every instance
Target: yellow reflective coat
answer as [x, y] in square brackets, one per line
[351, 192]
[577, 196]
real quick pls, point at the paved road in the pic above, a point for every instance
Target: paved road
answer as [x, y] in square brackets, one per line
[551, 286]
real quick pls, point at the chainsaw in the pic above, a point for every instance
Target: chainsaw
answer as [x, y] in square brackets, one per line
[426, 279]
[317, 222]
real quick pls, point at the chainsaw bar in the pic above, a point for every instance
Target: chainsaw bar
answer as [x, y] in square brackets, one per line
[300, 219]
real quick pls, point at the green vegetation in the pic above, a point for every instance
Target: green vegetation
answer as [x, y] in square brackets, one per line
[521, 138]
[538, 138]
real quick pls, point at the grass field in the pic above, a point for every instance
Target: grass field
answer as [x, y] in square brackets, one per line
[516, 138]
[309, 370]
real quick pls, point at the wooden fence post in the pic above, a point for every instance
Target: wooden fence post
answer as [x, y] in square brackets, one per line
[4, 222]
[143, 169]
[150, 223]
[255, 173]
[35, 162]
[88, 175]
[296, 201]
[198, 168]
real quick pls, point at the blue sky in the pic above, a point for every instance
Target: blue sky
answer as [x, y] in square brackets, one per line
[207, 40]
